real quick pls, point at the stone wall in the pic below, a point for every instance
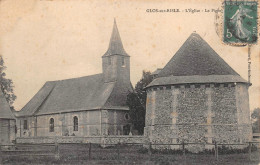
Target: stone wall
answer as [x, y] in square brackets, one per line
[31, 127]
[115, 70]
[198, 113]
[113, 121]
[90, 139]
[242, 101]
[90, 123]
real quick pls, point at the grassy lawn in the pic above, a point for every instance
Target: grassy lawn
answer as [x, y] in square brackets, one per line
[73, 154]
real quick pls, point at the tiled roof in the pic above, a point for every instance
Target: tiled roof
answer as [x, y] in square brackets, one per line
[196, 62]
[5, 111]
[158, 70]
[196, 57]
[77, 94]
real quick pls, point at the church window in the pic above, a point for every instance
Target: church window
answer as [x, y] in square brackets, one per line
[75, 123]
[127, 116]
[25, 125]
[123, 61]
[51, 125]
[109, 61]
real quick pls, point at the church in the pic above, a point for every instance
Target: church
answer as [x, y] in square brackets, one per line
[197, 98]
[86, 106]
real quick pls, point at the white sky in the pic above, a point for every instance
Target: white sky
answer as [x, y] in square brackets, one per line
[51, 40]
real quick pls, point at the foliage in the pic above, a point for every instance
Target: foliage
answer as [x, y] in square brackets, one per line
[255, 119]
[137, 100]
[6, 84]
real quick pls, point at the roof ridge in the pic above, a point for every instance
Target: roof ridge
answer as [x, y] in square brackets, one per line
[25, 108]
[76, 77]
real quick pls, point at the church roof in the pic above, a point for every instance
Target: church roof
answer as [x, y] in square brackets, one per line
[5, 111]
[196, 57]
[196, 62]
[115, 45]
[77, 94]
[158, 70]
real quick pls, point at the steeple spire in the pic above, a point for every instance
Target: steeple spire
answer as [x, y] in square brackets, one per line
[115, 45]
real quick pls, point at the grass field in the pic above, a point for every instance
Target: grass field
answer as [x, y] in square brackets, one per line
[76, 154]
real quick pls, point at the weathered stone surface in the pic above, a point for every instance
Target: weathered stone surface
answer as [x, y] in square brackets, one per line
[200, 113]
[89, 139]
[90, 123]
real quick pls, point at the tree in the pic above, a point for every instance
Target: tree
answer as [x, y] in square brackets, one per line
[6, 85]
[255, 120]
[136, 101]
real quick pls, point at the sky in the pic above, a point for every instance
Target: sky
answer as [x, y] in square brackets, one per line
[48, 40]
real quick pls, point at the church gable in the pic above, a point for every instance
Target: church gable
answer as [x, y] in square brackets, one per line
[38, 99]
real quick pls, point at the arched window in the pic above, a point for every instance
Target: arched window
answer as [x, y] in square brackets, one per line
[75, 123]
[51, 125]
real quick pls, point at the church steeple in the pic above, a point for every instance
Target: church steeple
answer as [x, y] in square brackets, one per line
[116, 62]
[115, 45]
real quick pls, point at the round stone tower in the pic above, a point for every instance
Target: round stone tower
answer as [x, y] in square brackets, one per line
[197, 98]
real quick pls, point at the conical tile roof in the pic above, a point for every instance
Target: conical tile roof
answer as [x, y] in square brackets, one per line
[196, 62]
[196, 57]
[115, 45]
[5, 111]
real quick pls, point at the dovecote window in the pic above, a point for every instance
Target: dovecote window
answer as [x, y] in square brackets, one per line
[75, 123]
[51, 125]
[109, 61]
[25, 125]
[123, 61]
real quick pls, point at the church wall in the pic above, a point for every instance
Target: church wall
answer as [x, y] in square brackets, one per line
[113, 121]
[198, 113]
[123, 69]
[43, 125]
[109, 69]
[31, 127]
[88, 124]
[116, 70]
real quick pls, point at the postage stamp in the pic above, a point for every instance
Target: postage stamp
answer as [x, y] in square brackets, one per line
[240, 22]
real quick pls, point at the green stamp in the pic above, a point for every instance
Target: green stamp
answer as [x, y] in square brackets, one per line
[240, 22]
